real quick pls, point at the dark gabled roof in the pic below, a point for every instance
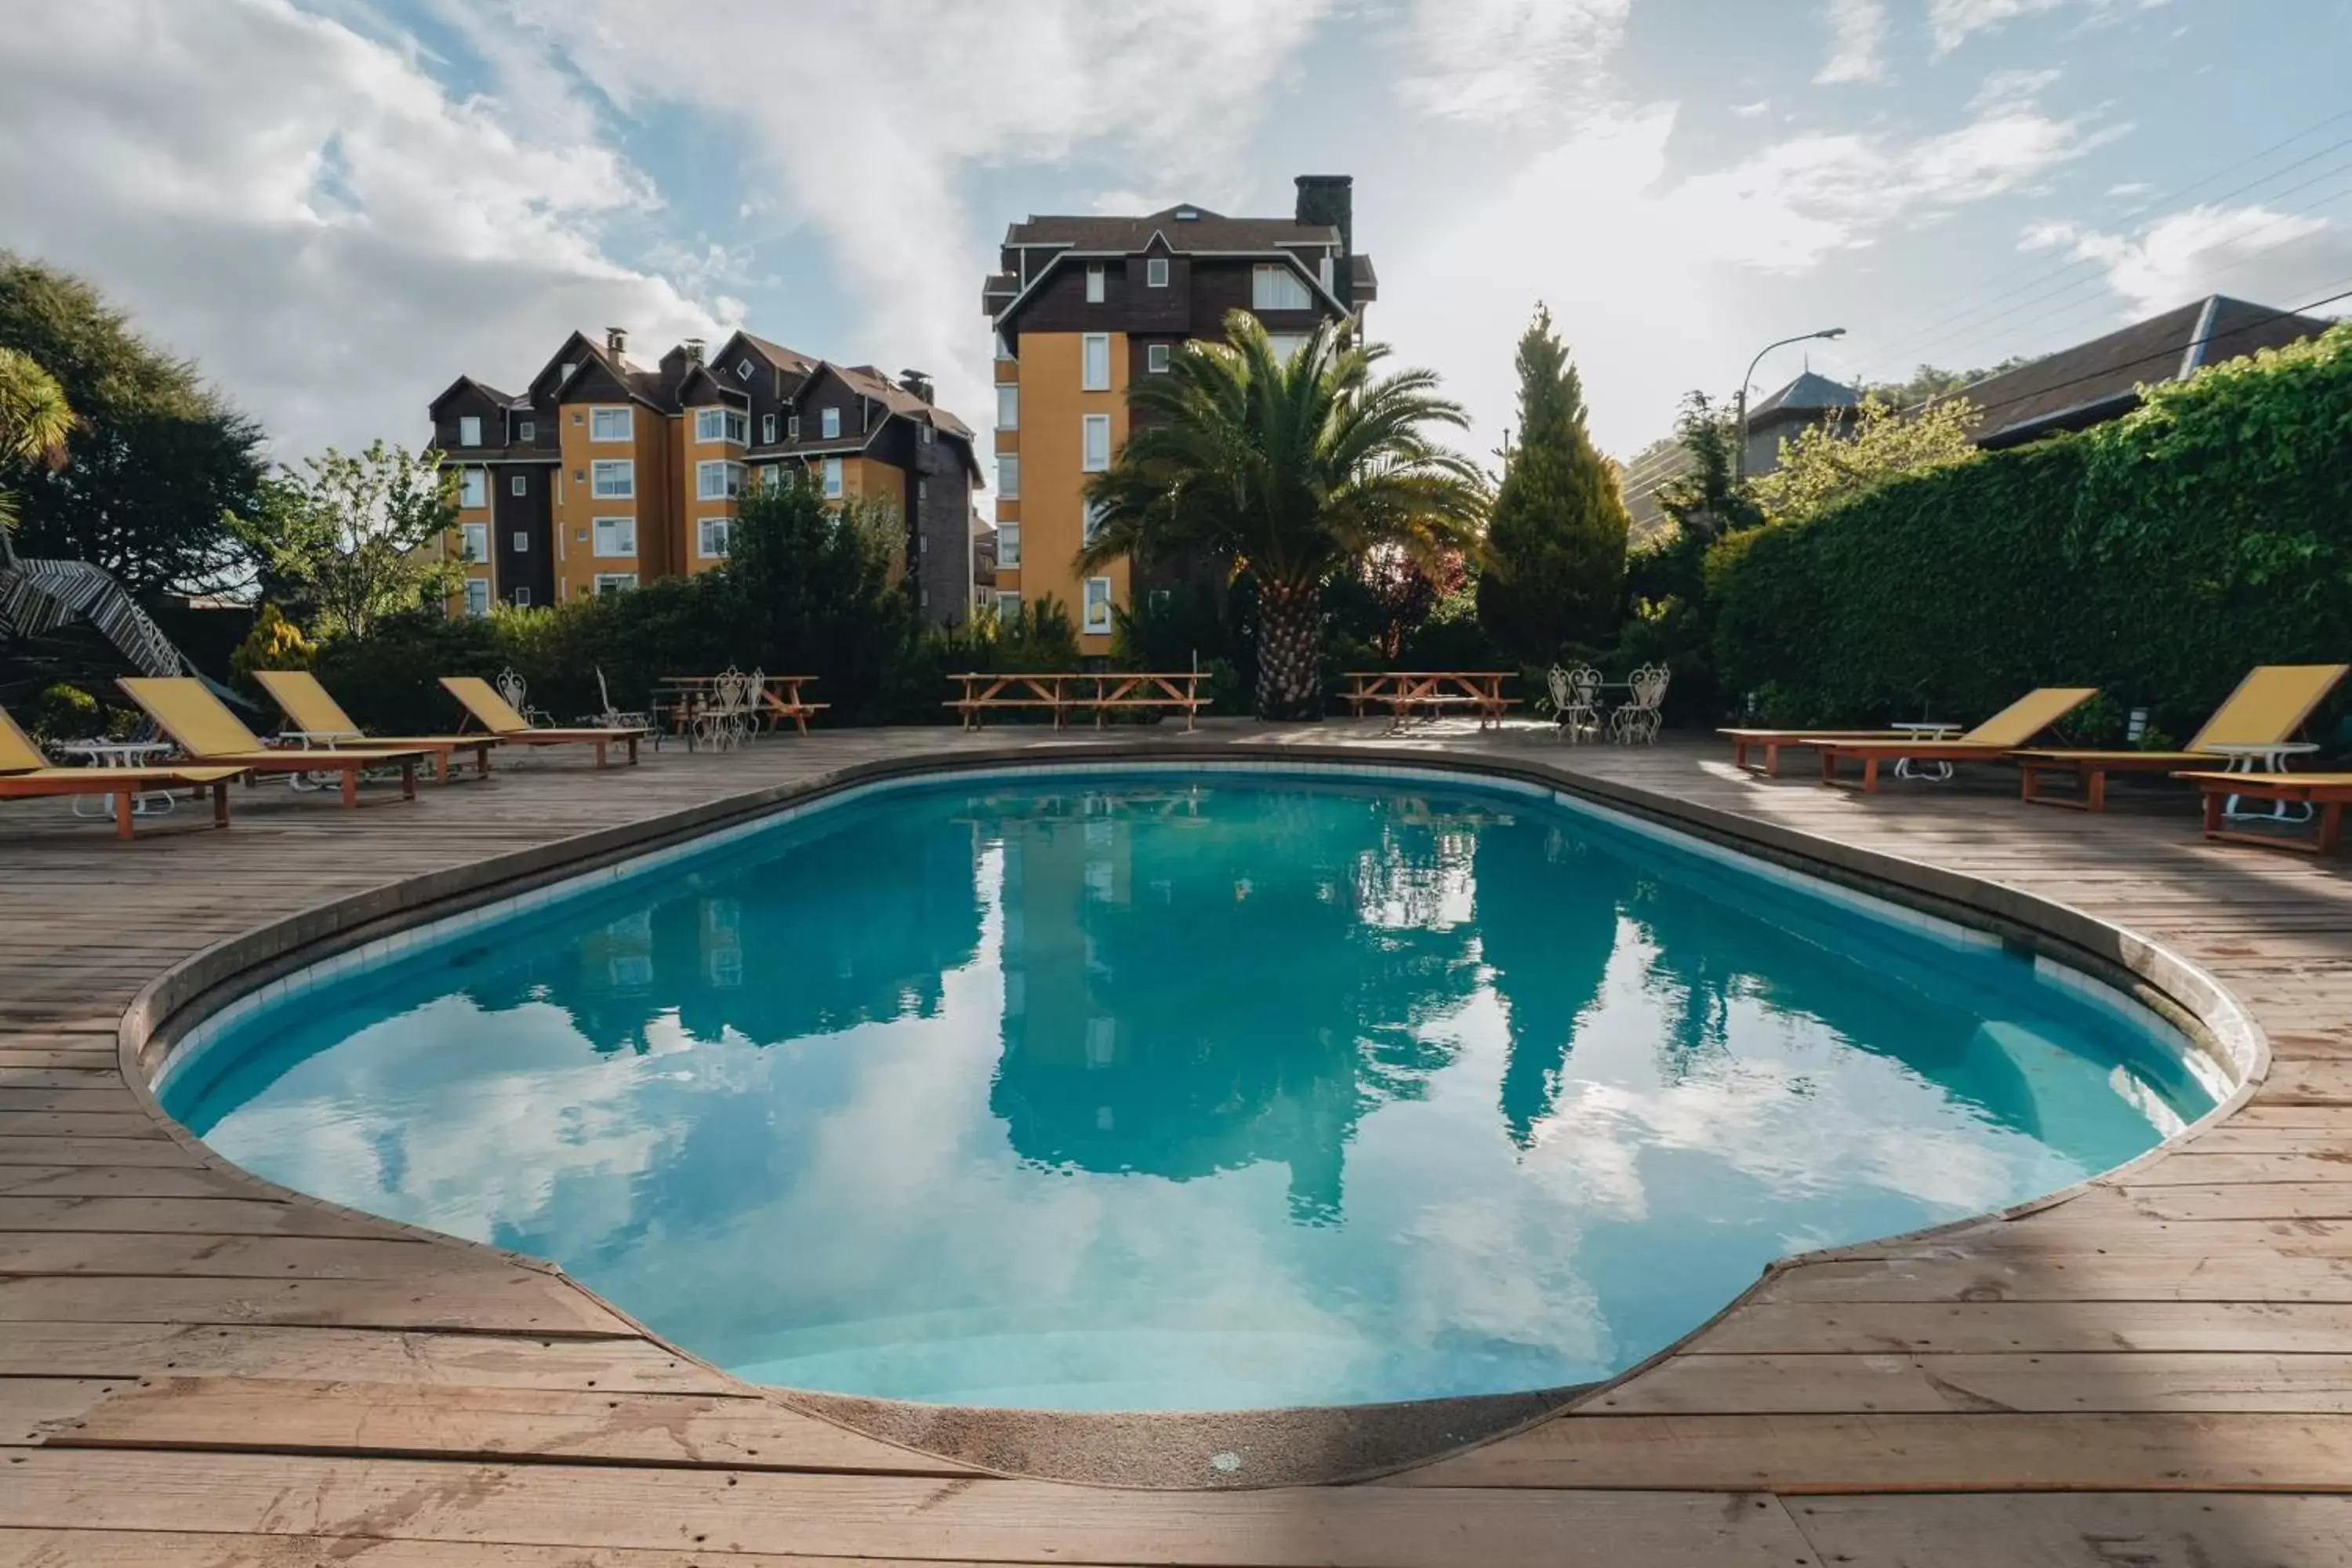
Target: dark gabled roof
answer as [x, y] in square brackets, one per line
[467, 382]
[1809, 394]
[2098, 380]
[776, 355]
[1207, 231]
[1367, 285]
[870, 383]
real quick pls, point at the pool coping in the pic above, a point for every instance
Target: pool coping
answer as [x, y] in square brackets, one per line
[1187, 1451]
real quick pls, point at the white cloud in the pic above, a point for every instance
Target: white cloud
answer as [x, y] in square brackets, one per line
[304, 212]
[2252, 252]
[2004, 88]
[1752, 111]
[1504, 59]
[1857, 42]
[1954, 21]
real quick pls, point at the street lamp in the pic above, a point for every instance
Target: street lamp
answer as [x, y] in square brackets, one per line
[1739, 452]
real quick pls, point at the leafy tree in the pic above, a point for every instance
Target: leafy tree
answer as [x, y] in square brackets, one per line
[1929, 381]
[1707, 500]
[155, 459]
[349, 535]
[1844, 456]
[1293, 471]
[35, 420]
[1555, 566]
[274, 643]
[1404, 592]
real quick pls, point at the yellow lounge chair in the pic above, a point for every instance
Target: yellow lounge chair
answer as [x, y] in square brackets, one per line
[319, 718]
[2266, 709]
[495, 713]
[1772, 740]
[209, 733]
[1997, 737]
[2324, 794]
[26, 775]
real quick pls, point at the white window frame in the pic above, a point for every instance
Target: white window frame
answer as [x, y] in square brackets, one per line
[1156, 357]
[614, 583]
[767, 429]
[1008, 605]
[1094, 362]
[833, 490]
[1287, 346]
[520, 540]
[703, 527]
[1326, 272]
[742, 370]
[518, 484]
[1094, 443]
[1093, 283]
[603, 469]
[620, 544]
[1089, 520]
[469, 429]
[477, 597]
[1008, 546]
[928, 433]
[1155, 272]
[793, 428]
[473, 489]
[1008, 476]
[829, 424]
[1275, 287]
[730, 478]
[473, 542]
[600, 419]
[720, 423]
[522, 598]
[1008, 405]
[526, 429]
[1098, 590]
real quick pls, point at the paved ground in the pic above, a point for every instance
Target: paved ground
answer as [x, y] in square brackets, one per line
[197, 1368]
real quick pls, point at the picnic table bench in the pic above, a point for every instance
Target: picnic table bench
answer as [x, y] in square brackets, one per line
[1063, 692]
[1408, 694]
[681, 699]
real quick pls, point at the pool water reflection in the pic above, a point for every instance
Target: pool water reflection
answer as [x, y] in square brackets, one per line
[1184, 1090]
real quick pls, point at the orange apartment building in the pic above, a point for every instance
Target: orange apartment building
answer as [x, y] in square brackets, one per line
[1086, 306]
[602, 475]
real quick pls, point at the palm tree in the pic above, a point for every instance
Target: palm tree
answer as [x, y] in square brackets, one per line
[1292, 471]
[33, 419]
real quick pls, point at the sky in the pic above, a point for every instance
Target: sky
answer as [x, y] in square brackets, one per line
[337, 206]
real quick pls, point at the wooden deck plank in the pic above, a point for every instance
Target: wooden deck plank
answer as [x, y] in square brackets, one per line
[191, 1549]
[515, 1303]
[2001, 1328]
[418, 1358]
[2215, 1530]
[203, 1216]
[1887, 1381]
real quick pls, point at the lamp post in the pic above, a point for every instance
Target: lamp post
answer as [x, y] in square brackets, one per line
[1739, 452]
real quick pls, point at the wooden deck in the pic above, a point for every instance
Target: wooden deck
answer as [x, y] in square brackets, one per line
[196, 1368]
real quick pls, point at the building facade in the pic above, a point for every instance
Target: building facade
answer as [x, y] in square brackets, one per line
[1084, 308]
[604, 474]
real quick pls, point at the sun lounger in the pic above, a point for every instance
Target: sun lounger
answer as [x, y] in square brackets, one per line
[497, 715]
[2325, 794]
[205, 729]
[27, 774]
[1772, 740]
[1996, 737]
[319, 720]
[2266, 709]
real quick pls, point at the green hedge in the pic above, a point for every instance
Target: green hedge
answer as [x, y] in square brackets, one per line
[2156, 557]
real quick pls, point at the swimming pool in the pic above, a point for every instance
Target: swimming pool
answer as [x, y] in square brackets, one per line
[1184, 1087]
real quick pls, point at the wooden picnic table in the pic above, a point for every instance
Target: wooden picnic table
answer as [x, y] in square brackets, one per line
[780, 696]
[1408, 694]
[1060, 692]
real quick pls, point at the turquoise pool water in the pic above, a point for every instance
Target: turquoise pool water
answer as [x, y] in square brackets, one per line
[1183, 1089]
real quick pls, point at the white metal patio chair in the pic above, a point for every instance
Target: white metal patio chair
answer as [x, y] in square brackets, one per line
[1635, 722]
[1575, 701]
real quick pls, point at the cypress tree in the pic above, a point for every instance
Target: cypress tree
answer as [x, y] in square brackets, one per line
[1556, 540]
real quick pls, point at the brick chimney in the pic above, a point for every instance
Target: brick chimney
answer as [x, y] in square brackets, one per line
[917, 382]
[1330, 199]
[617, 339]
[694, 350]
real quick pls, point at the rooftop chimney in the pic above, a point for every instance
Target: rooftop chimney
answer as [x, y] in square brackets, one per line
[1329, 200]
[617, 339]
[694, 350]
[917, 382]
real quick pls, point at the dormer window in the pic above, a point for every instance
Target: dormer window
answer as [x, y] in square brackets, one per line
[767, 429]
[469, 430]
[526, 430]
[743, 369]
[1095, 283]
[1155, 272]
[569, 366]
[832, 424]
[792, 428]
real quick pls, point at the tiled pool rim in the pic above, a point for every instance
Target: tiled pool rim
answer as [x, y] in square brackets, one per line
[199, 1000]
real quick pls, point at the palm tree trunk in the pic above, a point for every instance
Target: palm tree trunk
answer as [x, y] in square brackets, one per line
[1289, 650]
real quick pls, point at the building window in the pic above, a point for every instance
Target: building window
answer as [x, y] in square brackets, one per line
[923, 493]
[718, 480]
[469, 430]
[1093, 452]
[931, 434]
[477, 596]
[832, 424]
[767, 429]
[742, 370]
[1008, 476]
[609, 425]
[569, 366]
[1286, 345]
[1008, 407]
[1090, 520]
[1008, 545]
[477, 541]
[526, 430]
[1155, 359]
[1097, 603]
[1277, 287]
[1094, 369]
[522, 598]
[712, 537]
[614, 581]
[473, 487]
[1155, 272]
[612, 478]
[521, 542]
[1008, 608]
[722, 424]
[1326, 272]
[833, 479]
[616, 537]
[792, 428]
[1095, 283]
[517, 485]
